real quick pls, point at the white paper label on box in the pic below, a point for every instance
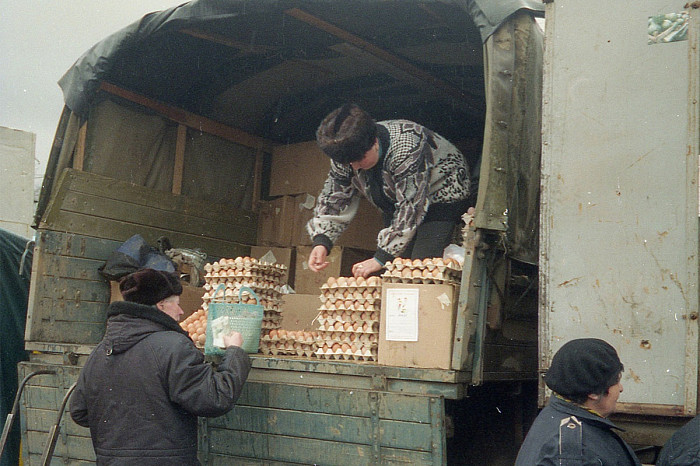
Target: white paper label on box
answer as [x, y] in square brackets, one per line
[402, 314]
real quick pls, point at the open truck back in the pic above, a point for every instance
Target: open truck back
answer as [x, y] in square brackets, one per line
[171, 128]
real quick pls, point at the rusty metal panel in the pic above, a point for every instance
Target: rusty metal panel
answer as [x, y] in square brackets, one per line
[619, 220]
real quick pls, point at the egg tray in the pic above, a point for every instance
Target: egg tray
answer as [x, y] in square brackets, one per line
[339, 293]
[230, 294]
[274, 349]
[238, 278]
[231, 284]
[268, 325]
[361, 283]
[352, 307]
[360, 354]
[430, 263]
[332, 336]
[325, 316]
[420, 281]
[294, 336]
[244, 262]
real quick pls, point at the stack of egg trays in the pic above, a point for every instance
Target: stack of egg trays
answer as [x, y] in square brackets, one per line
[349, 319]
[423, 271]
[264, 279]
[288, 342]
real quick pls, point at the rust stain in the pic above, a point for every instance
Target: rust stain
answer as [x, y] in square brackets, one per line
[663, 233]
[635, 378]
[617, 330]
[645, 344]
[570, 282]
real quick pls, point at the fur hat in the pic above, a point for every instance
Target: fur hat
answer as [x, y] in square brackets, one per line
[583, 367]
[149, 286]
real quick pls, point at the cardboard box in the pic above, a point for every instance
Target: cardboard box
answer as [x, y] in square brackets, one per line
[341, 260]
[284, 256]
[298, 168]
[434, 307]
[190, 299]
[280, 220]
[299, 311]
[361, 233]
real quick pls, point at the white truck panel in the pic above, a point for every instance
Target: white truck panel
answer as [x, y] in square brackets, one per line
[619, 220]
[17, 180]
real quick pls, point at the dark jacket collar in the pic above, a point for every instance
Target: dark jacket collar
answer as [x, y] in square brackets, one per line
[572, 409]
[143, 311]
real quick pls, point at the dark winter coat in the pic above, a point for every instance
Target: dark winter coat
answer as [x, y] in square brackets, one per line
[590, 441]
[683, 448]
[144, 385]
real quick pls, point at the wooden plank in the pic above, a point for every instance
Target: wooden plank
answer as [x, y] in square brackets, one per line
[79, 154]
[77, 268]
[91, 183]
[74, 290]
[72, 245]
[181, 222]
[79, 448]
[69, 332]
[61, 310]
[288, 449]
[35, 459]
[178, 167]
[292, 450]
[191, 120]
[343, 401]
[85, 224]
[42, 420]
[331, 427]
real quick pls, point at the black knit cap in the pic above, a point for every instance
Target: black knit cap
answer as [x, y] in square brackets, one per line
[583, 367]
[149, 286]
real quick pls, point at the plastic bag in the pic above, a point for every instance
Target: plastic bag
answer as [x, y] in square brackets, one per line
[132, 255]
[455, 252]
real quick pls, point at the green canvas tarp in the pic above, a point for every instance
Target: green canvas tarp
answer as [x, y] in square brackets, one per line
[15, 271]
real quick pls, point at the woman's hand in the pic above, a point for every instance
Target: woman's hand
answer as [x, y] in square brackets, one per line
[317, 258]
[233, 339]
[366, 268]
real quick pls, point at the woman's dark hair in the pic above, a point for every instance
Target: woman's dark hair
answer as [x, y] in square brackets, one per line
[346, 134]
[601, 390]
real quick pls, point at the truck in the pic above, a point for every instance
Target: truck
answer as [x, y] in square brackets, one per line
[586, 142]
[172, 128]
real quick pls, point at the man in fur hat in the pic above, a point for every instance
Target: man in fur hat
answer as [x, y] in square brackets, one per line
[573, 428]
[145, 383]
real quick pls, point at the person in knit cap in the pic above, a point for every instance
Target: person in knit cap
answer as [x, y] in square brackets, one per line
[145, 383]
[573, 428]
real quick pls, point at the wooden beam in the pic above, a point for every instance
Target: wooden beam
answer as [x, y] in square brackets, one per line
[257, 178]
[179, 165]
[79, 156]
[385, 56]
[191, 120]
[228, 42]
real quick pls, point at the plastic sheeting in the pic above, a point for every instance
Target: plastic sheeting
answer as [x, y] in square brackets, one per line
[14, 295]
[81, 82]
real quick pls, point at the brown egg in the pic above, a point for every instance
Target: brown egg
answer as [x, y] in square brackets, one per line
[202, 339]
[273, 333]
[344, 347]
[406, 273]
[360, 281]
[335, 347]
[342, 281]
[374, 281]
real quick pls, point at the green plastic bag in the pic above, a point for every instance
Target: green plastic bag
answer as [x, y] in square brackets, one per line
[223, 318]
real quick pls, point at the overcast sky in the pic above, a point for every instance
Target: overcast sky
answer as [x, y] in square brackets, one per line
[40, 40]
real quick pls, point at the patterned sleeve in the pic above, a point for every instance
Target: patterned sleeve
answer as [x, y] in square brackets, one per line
[336, 205]
[410, 165]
